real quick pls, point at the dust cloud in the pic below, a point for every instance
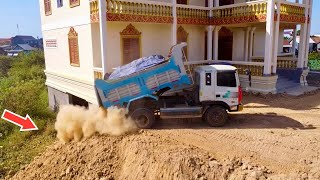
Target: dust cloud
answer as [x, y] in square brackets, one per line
[75, 122]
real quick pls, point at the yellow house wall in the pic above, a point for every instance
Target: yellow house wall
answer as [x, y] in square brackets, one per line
[259, 42]
[238, 45]
[155, 39]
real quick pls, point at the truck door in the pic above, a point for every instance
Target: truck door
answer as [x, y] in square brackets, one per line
[227, 87]
[207, 89]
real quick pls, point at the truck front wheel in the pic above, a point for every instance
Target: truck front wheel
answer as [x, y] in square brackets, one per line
[216, 116]
[143, 117]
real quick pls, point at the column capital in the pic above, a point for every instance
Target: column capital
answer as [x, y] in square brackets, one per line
[217, 28]
[210, 28]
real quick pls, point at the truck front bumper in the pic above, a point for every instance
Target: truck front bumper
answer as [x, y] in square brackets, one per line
[240, 107]
[236, 108]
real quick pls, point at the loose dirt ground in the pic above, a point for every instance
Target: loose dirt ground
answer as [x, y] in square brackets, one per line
[275, 137]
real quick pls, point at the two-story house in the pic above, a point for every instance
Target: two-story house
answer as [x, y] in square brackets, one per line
[85, 39]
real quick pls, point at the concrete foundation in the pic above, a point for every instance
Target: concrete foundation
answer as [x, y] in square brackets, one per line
[57, 98]
[262, 84]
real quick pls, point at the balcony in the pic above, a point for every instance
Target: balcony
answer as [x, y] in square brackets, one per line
[161, 12]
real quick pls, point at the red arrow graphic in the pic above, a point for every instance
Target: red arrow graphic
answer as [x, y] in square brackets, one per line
[26, 123]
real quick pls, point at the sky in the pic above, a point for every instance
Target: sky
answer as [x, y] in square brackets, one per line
[26, 14]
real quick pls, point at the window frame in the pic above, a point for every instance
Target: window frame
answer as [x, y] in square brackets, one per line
[129, 32]
[73, 35]
[224, 72]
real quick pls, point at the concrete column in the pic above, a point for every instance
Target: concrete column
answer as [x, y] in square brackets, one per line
[251, 43]
[103, 34]
[209, 35]
[216, 42]
[216, 3]
[269, 38]
[304, 40]
[294, 42]
[276, 40]
[209, 42]
[308, 33]
[175, 23]
[246, 43]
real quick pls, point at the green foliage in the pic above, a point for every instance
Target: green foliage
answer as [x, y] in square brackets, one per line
[314, 61]
[5, 65]
[23, 91]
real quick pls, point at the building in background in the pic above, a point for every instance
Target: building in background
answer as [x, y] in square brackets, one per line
[20, 48]
[83, 40]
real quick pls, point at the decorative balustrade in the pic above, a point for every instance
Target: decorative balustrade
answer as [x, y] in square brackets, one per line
[282, 62]
[98, 73]
[144, 11]
[256, 68]
[192, 12]
[243, 9]
[139, 8]
[287, 63]
[288, 9]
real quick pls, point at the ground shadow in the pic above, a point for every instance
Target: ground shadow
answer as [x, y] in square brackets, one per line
[238, 121]
[304, 102]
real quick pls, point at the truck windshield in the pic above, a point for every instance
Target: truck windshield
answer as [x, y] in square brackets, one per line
[226, 79]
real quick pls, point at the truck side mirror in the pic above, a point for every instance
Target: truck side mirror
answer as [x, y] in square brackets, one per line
[248, 72]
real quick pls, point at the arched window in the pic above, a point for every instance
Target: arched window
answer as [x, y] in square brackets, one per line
[47, 7]
[73, 47]
[182, 36]
[130, 44]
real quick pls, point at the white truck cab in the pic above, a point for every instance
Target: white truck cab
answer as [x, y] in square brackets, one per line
[219, 83]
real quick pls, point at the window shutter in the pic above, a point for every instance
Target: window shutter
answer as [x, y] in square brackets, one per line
[73, 47]
[47, 7]
[131, 49]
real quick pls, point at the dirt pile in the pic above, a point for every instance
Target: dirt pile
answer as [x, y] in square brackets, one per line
[75, 122]
[275, 137]
[139, 156]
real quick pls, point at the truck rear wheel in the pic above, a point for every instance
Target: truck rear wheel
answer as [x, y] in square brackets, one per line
[143, 117]
[216, 116]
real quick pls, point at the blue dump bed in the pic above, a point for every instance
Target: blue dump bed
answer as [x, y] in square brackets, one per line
[168, 75]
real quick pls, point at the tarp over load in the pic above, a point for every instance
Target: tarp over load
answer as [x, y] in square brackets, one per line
[136, 66]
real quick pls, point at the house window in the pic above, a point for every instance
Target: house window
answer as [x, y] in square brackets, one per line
[73, 47]
[182, 2]
[59, 3]
[47, 7]
[74, 3]
[182, 36]
[130, 44]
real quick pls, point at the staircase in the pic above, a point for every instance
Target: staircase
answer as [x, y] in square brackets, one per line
[284, 84]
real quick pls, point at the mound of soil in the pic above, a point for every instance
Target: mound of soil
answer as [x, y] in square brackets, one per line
[140, 156]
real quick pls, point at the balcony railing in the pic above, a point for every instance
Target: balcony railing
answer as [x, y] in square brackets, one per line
[241, 9]
[161, 12]
[185, 11]
[139, 8]
[282, 62]
[98, 73]
[256, 68]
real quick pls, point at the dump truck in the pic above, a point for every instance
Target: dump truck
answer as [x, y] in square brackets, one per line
[167, 91]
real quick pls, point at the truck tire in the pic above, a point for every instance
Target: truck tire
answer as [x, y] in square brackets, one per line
[143, 117]
[216, 116]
